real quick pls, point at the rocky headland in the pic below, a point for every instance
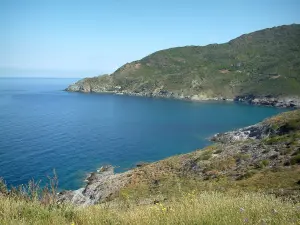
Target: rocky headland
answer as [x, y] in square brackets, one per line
[280, 102]
[259, 68]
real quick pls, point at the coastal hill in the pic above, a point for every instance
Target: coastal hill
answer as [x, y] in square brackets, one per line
[262, 67]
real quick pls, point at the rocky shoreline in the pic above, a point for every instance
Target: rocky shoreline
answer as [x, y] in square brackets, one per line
[101, 186]
[280, 102]
[254, 132]
[273, 143]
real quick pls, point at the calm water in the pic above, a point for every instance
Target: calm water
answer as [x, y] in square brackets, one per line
[42, 127]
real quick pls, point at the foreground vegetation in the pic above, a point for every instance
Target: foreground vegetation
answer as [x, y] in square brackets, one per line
[190, 208]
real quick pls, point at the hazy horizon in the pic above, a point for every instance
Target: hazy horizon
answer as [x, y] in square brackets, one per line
[89, 38]
[37, 73]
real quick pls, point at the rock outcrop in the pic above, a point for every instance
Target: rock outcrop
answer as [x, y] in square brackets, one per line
[101, 186]
[282, 102]
[258, 131]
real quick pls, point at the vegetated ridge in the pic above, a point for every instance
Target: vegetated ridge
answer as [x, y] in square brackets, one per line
[262, 67]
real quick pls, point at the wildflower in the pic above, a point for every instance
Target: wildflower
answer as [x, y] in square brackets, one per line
[242, 209]
[246, 220]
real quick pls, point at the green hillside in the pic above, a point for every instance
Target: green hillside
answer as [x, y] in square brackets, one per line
[262, 63]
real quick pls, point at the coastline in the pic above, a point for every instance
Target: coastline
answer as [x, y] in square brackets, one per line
[292, 102]
[245, 151]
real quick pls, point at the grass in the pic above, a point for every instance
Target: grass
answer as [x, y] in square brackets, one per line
[268, 179]
[179, 200]
[190, 208]
[288, 119]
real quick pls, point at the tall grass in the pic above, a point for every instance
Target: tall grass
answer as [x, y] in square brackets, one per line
[33, 191]
[190, 208]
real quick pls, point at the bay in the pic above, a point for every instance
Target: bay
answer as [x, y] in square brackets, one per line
[43, 128]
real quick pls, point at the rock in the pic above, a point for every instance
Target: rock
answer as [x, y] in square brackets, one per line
[100, 187]
[141, 164]
[257, 131]
[287, 102]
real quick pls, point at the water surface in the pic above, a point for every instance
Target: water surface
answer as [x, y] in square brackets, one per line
[43, 127]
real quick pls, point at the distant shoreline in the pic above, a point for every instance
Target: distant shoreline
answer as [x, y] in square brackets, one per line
[284, 102]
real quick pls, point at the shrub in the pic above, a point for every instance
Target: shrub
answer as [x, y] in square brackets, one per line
[218, 151]
[275, 139]
[241, 156]
[206, 155]
[295, 159]
[3, 187]
[265, 162]
[293, 124]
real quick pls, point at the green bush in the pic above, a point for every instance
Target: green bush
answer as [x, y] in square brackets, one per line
[218, 151]
[262, 163]
[295, 159]
[265, 162]
[293, 124]
[206, 155]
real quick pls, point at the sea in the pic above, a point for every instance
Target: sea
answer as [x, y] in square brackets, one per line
[44, 128]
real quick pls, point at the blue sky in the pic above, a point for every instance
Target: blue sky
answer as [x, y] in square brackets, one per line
[77, 38]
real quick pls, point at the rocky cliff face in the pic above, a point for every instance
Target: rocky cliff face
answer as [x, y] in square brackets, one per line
[272, 145]
[86, 87]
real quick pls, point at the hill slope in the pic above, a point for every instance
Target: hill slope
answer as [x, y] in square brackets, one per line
[262, 63]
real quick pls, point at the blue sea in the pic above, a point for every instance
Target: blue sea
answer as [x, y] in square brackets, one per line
[43, 128]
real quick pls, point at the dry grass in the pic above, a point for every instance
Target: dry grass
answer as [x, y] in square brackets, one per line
[190, 208]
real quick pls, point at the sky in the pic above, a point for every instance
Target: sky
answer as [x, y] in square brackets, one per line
[76, 38]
